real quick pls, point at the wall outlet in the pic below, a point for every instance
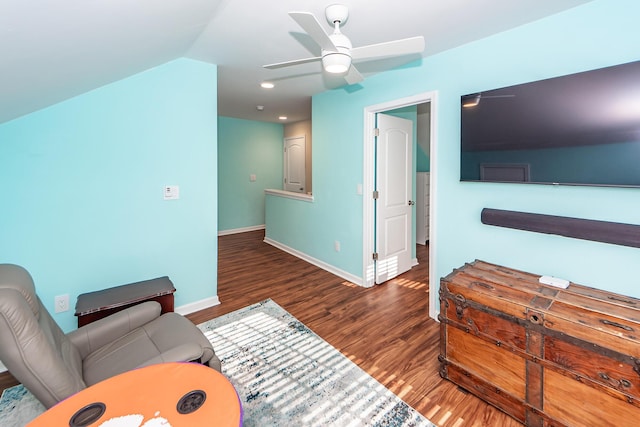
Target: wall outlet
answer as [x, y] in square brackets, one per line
[61, 303]
[336, 246]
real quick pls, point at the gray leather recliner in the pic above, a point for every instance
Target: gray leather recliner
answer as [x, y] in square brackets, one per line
[54, 365]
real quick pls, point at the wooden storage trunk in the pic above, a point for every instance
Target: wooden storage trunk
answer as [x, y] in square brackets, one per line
[544, 355]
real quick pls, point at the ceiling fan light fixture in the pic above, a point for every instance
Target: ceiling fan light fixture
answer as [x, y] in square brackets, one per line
[336, 62]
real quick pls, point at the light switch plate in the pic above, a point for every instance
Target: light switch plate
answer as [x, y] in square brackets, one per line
[171, 192]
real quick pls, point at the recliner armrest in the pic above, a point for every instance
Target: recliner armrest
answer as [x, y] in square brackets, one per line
[89, 338]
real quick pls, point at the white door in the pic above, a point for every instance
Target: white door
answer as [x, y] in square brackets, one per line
[294, 169]
[394, 204]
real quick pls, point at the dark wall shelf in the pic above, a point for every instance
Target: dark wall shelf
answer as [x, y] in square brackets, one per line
[586, 229]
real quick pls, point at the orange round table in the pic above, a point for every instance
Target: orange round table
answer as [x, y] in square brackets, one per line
[167, 394]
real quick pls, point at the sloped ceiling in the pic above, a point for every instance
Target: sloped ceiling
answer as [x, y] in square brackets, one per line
[51, 50]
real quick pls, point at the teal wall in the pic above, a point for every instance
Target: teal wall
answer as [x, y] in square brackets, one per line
[247, 147]
[336, 212]
[422, 160]
[594, 35]
[83, 182]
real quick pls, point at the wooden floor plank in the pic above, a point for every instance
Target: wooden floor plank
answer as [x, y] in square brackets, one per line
[386, 329]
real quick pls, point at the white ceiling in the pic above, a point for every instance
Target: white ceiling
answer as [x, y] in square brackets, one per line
[51, 50]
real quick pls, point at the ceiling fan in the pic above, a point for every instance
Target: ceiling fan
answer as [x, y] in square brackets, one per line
[338, 54]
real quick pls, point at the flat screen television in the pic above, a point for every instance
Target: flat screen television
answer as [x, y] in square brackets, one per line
[578, 129]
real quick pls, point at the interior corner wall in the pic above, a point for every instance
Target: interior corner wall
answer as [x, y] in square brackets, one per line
[83, 181]
[245, 148]
[603, 33]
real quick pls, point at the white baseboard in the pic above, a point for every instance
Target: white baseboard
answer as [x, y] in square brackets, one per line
[414, 262]
[192, 307]
[311, 260]
[241, 230]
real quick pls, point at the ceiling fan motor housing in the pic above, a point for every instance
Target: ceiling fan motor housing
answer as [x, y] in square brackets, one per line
[336, 13]
[340, 61]
[341, 41]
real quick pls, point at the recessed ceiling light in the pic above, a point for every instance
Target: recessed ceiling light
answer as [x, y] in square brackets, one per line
[267, 85]
[260, 107]
[283, 117]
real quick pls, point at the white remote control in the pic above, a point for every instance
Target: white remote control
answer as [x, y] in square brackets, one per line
[554, 281]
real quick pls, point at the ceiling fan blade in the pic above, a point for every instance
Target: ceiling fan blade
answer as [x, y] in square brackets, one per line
[387, 49]
[310, 24]
[353, 76]
[289, 63]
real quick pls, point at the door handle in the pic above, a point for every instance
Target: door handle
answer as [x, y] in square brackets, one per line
[411, 203]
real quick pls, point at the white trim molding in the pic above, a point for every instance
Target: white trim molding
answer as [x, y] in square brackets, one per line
[192, 307]
[434, 280]
[241, 230]
[289, 195]
[311, 260]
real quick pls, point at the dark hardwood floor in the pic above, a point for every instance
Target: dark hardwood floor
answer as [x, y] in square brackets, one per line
[386, 329]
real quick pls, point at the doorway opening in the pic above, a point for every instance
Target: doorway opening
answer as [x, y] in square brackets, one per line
[369, 172]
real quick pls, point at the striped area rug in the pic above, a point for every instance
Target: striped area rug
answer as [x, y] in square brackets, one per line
[287, 375]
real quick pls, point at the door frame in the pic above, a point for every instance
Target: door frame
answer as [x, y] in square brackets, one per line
[368, 209]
